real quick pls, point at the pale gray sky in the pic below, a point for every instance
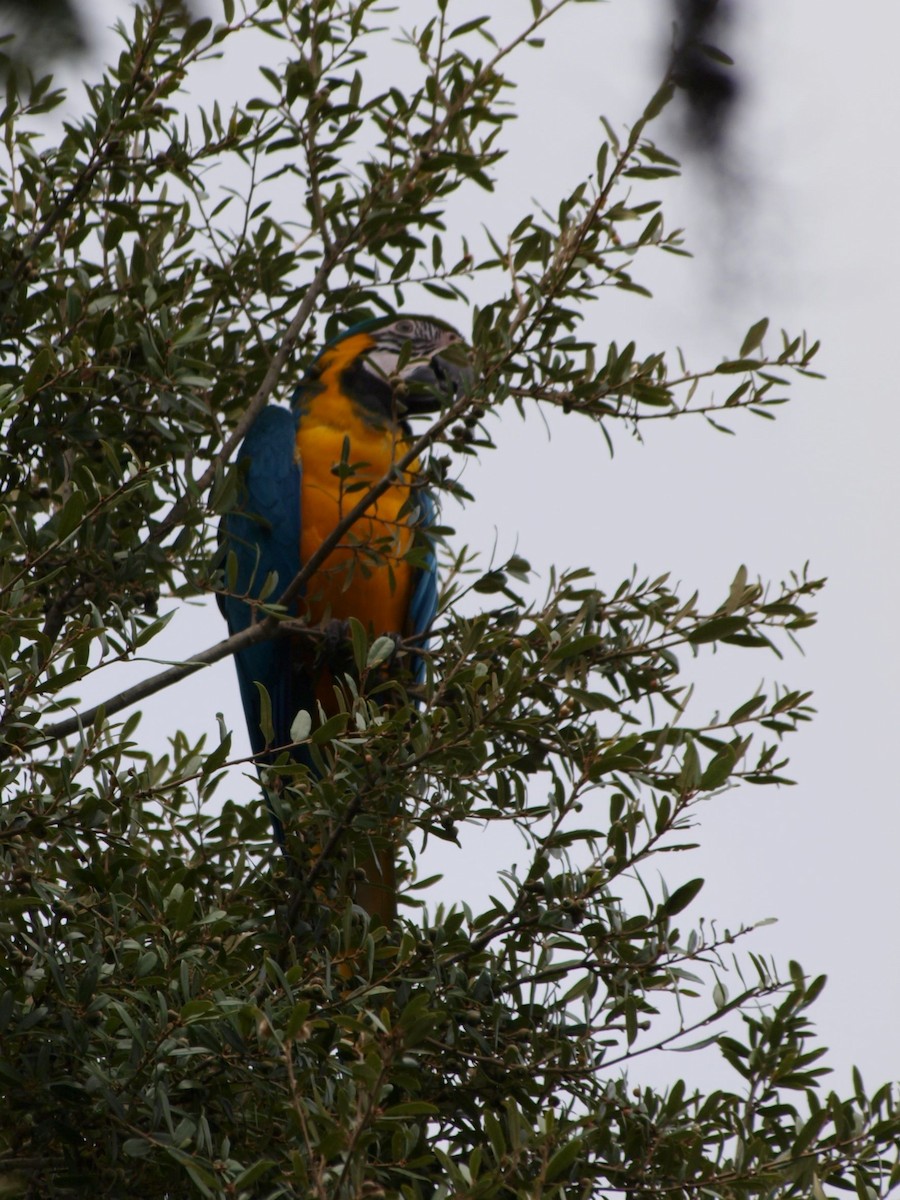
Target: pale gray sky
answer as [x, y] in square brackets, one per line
[809, 237]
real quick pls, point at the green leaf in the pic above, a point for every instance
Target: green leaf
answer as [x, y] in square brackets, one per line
[717, 630]
[681, 897]
[297, 1020]
[194, 34]
[38, 371]
[330, 729]
[755, 335]
[196, 1010]
[658, 102]
[301, 726]
[252, 1174]
[490, 583]
[746, 710]
[718, 770]
[716, 54]
[468, 27]
[563, 1159]
[265, 715]
[214, 761]
[738, 365]
[381, 651]
[70, 517]
[689, 776]
[578, 647]
[360, 641]
[412, 1108]
[137, 1147]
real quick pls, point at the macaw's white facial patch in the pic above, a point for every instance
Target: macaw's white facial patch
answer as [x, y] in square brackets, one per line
[383, 361]
[415, 341]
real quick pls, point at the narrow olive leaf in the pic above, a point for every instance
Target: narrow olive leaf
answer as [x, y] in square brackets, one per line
[203, 1180]
[737, 591]
[690, 773]
[755, 335]
[265, 715]
[681, 897]
[467, 27]
[578, 647]
[746, 710]
[71, 516]
[563, 1159]
[658, 102]
[815, 988]
[360, 642]
[38, 371]
[252, 1174]
[270, 583]
[195, 33]
[716, 629]
[137, 1147]
[412, 1108]
[490, 582]
[716, 54]
[231, 571]
[494, 1129]
[602, 156]
[736, 365]
[330, 729]
[183, 914]
[718, 770]
[215, 760]
[196, 1010]
[297, 1020]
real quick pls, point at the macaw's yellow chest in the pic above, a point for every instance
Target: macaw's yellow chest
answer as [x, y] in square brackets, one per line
[366, 575]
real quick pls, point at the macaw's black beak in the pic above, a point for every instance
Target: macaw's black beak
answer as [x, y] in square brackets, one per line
[432, 386]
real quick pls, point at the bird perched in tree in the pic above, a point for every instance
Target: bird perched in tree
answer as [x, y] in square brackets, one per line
[304, 469]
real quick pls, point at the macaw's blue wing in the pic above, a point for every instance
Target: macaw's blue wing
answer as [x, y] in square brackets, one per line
[262, 538]
[262, 532]
[424, 601]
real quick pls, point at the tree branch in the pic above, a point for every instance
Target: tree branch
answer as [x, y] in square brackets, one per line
[259, 632]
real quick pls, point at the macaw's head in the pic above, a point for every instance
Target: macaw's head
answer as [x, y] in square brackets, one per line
[395, 367]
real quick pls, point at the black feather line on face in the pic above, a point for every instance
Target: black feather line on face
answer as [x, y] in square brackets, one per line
[371, 391]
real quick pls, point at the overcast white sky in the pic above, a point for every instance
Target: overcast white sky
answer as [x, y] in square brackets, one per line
[807, 234]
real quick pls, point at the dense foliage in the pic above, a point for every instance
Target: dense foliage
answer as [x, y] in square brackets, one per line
[183, 1012]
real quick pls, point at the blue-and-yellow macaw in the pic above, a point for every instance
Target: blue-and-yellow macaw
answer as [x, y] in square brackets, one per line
[305, 468]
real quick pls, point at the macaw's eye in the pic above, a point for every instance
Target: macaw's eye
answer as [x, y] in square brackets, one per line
[405, 328]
